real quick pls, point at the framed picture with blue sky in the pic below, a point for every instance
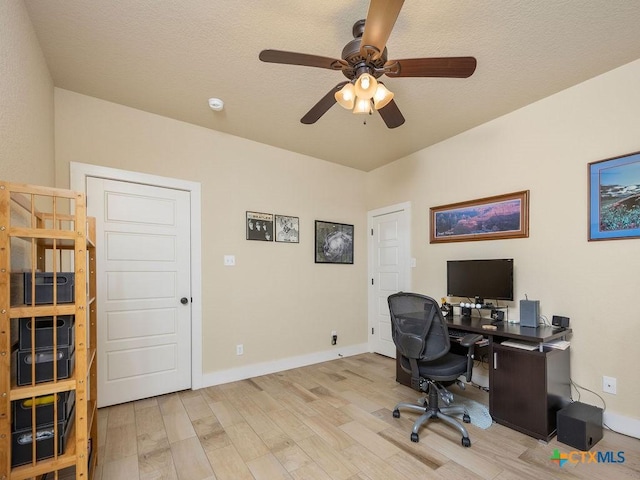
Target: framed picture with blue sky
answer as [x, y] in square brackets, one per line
[614, 198]
[491, 218]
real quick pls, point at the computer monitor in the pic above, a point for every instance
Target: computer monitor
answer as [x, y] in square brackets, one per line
[483, 279]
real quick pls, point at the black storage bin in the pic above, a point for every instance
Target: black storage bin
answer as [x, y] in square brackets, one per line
[44, 287]
[21, 442]
[44, 410]
[44, 365]
[44, 332]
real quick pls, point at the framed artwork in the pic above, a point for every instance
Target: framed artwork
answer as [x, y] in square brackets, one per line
[614, 198]
[333, 242]
[260, 226]
[287, 229]
[490, 218]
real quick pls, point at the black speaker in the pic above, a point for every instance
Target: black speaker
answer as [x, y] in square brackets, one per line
[558, 321]
[579, 425]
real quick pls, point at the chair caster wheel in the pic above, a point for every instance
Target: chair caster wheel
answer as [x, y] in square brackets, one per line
[415, 438]
[466, 418]
[466, 442]
[396, 413]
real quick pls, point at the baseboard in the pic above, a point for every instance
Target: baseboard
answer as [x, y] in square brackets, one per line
[265, 368]
[621, 424]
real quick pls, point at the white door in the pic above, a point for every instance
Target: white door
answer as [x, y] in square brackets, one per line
[389, 270]
[144, 299]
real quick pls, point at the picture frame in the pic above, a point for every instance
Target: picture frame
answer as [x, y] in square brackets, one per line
[333, 242]
[614, 198]
[287, 229]
[491, 218]
[259, 226]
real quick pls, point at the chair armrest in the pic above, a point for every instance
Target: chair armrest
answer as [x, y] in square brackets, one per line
[470, 339]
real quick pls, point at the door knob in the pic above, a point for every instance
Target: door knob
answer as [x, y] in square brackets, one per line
[184, 300]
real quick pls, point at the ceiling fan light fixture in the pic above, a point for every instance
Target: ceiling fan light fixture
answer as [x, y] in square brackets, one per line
[346, 96]
[382, 97]
[363, 105]
[366, 86]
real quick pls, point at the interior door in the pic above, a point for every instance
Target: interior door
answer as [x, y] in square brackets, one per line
[389, 268]
[143, 261]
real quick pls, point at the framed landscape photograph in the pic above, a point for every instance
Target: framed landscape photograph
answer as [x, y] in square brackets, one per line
[614, 198]
[490, 218]
[333, 242]
[260, 226]
[287, 229]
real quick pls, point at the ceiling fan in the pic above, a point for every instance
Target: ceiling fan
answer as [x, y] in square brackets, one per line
[364, 60]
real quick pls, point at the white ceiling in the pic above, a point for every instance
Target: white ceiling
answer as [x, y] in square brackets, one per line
[170, 56]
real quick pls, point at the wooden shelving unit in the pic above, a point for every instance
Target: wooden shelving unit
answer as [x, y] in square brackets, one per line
[45, 234]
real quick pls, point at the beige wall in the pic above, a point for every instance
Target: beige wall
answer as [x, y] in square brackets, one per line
[543, 148]
[26, 101]
[276, 301]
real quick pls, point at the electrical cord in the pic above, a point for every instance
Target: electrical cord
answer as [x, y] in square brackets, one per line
[479, 387]
[482, 362]
[580, 387]
[604, 404]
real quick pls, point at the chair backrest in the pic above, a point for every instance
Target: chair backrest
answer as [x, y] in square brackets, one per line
[418, 328]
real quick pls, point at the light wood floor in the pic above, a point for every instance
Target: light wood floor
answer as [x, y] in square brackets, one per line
[327, 421]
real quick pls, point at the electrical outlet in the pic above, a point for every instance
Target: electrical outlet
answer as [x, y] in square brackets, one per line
[229, 260]
[334, 337]
[609, 385]
[239, 349]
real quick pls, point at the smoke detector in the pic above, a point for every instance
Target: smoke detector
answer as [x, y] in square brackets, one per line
[216, 104]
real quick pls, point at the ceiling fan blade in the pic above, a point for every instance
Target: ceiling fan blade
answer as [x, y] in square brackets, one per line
[380, 20]
[293, 58]
[320, 108]
[451, 67]
[391, 115]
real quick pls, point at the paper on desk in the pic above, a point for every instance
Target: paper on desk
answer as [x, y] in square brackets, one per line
[521, 345]
[558, 344]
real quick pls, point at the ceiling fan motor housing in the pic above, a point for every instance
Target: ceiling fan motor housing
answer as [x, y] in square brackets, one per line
[359, 64]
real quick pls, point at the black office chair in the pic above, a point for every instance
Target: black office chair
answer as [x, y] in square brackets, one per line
[420, 333]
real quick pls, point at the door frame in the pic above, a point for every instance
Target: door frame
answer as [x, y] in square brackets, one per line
[371, 300]
[78, 182]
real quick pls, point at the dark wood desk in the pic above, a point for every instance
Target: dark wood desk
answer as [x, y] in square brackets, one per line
[507, 330]
[526, 387]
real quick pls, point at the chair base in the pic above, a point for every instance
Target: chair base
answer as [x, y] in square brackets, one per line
[431, 410]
